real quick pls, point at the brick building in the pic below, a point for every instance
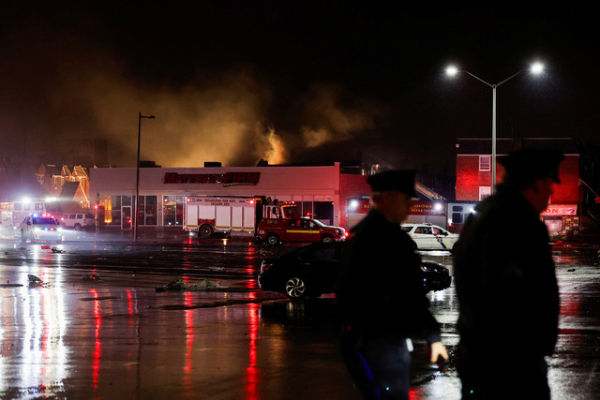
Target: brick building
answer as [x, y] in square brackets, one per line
[474, 174]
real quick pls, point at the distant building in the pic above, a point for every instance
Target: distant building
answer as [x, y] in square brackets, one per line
[54, 179]
[474, 174]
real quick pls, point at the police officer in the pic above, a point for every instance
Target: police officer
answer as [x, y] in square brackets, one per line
[506, 285]
[381, 298]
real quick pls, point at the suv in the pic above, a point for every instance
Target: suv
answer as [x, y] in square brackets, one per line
[430, 237]
[274, 231]
[77, 221]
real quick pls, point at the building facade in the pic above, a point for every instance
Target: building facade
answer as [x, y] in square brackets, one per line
[321, 192]
[474, 175]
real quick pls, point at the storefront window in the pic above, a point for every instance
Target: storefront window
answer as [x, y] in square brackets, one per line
[150, 210]
[173, 210]
[126, 200]
[307, 208]
[324, 211]
[114, 210]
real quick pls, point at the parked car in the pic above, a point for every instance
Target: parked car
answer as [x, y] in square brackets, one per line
[77, 221]
[40, 227]
[430, 237]
[275, 231]
[311, 271]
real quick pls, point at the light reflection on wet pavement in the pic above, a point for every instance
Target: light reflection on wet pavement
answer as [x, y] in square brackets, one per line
[100, 330]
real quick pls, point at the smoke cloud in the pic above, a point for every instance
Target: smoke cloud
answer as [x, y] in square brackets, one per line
[67, 92]
[330, 120]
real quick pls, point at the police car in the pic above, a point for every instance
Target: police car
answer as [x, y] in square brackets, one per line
[40, 227]
[430, 237]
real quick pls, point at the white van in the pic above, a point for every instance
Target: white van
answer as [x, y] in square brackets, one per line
[77, 221]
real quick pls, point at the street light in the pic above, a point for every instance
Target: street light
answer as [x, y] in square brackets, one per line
[137, 177]
[536, 68]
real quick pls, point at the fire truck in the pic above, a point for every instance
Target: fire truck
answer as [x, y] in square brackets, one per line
[209, 215]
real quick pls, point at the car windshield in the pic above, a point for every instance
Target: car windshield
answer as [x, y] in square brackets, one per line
[318, 222]
[44, 221]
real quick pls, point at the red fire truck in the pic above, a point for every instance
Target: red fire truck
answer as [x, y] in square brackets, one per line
[209, 215]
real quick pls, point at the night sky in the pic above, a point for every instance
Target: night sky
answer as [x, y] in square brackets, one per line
[291, 82]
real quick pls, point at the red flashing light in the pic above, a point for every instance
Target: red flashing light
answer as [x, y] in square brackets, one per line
[95, 206]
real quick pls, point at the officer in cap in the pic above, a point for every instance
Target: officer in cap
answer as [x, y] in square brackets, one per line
[506, 284]
[381, 298]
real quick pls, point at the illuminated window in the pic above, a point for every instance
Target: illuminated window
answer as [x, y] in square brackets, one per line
[485, 163]
[484, 191]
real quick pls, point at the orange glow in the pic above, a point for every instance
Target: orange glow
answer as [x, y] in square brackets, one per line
[108, 210]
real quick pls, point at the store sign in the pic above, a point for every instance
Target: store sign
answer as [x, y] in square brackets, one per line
[226, 179]
[426, 208]
[560, 210]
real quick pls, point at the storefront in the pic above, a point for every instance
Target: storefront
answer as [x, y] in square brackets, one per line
[561, 219]
[319, 191]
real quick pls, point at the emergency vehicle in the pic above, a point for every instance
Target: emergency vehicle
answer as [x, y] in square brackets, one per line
[209, 215]
[40, 227]
[275, 231]
[12, 213]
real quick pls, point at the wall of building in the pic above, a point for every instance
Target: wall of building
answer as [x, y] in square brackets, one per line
[351, 186]
[308, 185]
[469, 179]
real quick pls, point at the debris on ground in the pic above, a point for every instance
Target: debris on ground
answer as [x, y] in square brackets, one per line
[92, 277]
[45, 247]
[57, 250]
[9, 285]
[571, 270]
[180, 286]
[220, 269]
[34, 281]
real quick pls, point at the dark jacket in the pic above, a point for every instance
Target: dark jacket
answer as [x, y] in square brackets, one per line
[378, 287]
[505, 279]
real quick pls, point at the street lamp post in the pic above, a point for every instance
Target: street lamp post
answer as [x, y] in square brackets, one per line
[536, 68]
[137, 174]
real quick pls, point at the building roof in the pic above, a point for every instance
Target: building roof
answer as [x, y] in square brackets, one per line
[474, 146]
[68, 190]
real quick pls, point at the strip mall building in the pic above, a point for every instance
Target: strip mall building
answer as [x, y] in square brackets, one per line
[322, 192]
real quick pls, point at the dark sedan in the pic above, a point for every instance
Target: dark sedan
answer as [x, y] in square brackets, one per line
[311, 271]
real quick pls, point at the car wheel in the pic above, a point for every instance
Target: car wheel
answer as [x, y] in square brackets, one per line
[327, 239]
[295, 288]
[205, 231]
[77, 227]
[273, 239]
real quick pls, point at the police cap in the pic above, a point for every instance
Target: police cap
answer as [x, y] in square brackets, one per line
[525, 166]
[393, 180]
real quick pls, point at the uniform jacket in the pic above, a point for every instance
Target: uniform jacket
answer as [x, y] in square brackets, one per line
[378, 287]
[505, 279]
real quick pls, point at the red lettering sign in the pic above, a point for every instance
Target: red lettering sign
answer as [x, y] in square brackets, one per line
[227, 179]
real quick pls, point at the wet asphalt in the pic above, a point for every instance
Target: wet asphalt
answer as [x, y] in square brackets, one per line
[96, 327]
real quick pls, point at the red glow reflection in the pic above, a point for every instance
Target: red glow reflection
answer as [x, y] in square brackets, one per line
[98, 342]
[189, 334]
[252, 370]
[130, 307]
